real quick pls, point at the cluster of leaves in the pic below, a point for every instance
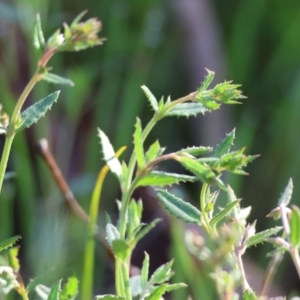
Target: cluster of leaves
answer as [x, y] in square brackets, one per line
[10, 278]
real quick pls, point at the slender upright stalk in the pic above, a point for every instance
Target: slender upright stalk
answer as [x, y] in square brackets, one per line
[245, 283]
[12, 126]
[270, 272]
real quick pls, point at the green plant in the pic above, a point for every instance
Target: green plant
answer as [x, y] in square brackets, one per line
[230, 235]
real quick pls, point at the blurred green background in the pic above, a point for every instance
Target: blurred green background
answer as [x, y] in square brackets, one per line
[165, 45]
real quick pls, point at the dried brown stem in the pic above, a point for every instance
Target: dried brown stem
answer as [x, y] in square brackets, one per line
[70, 200]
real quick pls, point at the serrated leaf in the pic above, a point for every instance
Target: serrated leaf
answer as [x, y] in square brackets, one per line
[53, 78]
[201, 170]
[13, 258]
[146, 229]
[9, 242]
[33, 113]
[295, 226]
[112, 233]
[186, 110]
[162, 274]
[145, 271]
[107, 218]
[157, 293]
[38, 36]
[175, 286]
[154, 151]
[121, 249]
[158, 178]
[207, 81]
[70, 289]
[179, 208]
[260, 237]
[54, 292]
[286, 196]
[135, 285]
[151, 98]
[223, 213]
[196, 151]
[138, 144]
[109, 297]
[225, 145]
[109, 155]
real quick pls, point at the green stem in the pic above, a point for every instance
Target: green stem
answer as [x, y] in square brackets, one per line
[125, 273]
[120, 288]
[4, 158]
[13, 121]
[15, 115]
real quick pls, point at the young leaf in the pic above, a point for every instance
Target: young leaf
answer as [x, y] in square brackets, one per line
[54, 292]
[70, 289]
[295, 227]
[38, 36]
[223, 213]
[186, 110]
[9, 242]
[158, 178]
[175, 286]
[107, 218]
[112, 233]
[207, 81]
[286, 196]
[157, 293]
[77, 19]
[260, 237]
[154, 151]
[145, 230]
[33, 113]
[109, 297]
[201, 170]
[225, 145]
[196, 151]
[53, 78]
[121, 249]
[179, 208]
[134, 215]
[138, 144]
[145, 272]
[109, 155]
[151, 98]
[162, 274]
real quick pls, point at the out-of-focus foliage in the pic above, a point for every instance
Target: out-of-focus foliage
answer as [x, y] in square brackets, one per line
[144, 46]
